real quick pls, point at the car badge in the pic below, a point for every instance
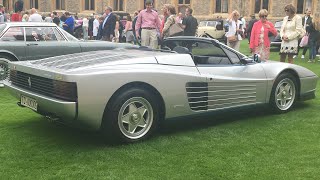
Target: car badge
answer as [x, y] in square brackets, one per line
[59, 77]
[29, 82]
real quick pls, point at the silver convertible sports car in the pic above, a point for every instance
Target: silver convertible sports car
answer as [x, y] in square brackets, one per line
[126, 93]
[21, 41]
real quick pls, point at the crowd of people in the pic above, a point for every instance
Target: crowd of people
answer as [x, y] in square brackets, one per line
[293, 31]
[148, 28]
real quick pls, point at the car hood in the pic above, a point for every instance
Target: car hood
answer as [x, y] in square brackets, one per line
[272, 68]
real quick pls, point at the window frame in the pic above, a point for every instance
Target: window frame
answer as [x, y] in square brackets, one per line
[261, 6]
[34, 4]
[221, 6]
[184, 2]
[91, 5]
[304, 6]
[61, 7]
[117, 8]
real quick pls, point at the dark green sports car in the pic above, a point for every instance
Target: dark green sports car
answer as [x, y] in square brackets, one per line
[21, 41]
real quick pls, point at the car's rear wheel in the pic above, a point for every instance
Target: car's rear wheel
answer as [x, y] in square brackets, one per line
[132, 116]
[4, 68]
[284, 93]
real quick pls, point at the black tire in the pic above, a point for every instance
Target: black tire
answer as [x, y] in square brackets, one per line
[284, 93]
[131, 116]
[4, 68]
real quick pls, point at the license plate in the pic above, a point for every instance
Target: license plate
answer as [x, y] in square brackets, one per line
[29, 102]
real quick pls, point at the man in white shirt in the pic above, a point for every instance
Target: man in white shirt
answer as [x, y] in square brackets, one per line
[35, 17]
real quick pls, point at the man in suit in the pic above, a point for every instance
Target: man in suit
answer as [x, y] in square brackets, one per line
[306, 21]
[108, 25]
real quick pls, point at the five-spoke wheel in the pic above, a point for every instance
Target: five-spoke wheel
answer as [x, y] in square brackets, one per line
[132, 115]
[284, 93]
[135, 117]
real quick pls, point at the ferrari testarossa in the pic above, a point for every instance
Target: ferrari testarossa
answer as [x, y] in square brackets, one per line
[126, 93]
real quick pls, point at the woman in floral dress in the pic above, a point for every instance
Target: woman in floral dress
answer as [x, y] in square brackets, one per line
[259, 41]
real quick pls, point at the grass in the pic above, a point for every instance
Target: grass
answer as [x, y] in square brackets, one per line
[249, 144]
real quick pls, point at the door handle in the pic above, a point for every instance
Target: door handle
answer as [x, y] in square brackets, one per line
[32, 44]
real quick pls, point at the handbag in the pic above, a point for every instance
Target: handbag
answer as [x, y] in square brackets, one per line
[304, 41]
[233, 38]
[175, 29]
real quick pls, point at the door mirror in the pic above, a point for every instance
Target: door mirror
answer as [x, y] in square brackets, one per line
[256, 58]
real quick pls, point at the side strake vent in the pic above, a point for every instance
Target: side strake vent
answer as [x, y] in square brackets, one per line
[197, 95]
[204, 96]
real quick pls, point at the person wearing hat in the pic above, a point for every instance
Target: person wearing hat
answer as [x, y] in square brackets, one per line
[250, 25]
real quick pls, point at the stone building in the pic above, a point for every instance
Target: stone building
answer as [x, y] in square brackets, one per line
[203, 9]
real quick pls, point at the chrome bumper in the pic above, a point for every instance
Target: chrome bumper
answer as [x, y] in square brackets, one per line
[66, 111]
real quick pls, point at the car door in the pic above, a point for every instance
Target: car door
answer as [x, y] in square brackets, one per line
[12, 41]
[43, 42]
[229, 83]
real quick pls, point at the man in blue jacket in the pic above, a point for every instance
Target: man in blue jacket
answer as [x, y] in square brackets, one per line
[68, 25]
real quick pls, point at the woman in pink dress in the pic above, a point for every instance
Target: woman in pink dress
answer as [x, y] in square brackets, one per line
[259, 40]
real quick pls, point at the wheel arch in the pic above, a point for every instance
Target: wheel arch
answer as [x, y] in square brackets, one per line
[11, 56]
[143, 85]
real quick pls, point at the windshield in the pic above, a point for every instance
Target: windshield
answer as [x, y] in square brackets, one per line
[69, 36]
[2, 27]
[208, 23]
[212, 23]
[238, 53]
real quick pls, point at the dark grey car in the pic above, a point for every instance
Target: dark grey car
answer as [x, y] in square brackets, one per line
[21, 41]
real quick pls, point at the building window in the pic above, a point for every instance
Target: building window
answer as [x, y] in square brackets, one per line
[89, 5]
[60, 4]
[302, 5]
[221, 6]
[261, 4]
[34, 4]
[118, 5]
[184, 2]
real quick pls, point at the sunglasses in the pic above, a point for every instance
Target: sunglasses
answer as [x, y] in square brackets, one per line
[286, 10]
[264, 16]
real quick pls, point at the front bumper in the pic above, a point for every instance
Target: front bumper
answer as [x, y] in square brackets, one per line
[308, 87]
[66, 111]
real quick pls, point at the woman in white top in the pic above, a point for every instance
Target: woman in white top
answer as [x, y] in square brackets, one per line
[95, 29]
[85, 26]
[233, 34]
[290, 32]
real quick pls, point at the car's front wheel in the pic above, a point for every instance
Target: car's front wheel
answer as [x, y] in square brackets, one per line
[132, 116]
[283, 93]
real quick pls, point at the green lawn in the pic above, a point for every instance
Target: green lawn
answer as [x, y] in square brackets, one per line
[251, 144]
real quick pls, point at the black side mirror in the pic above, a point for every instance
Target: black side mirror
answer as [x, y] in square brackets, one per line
[243, 61]
[256, 58]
